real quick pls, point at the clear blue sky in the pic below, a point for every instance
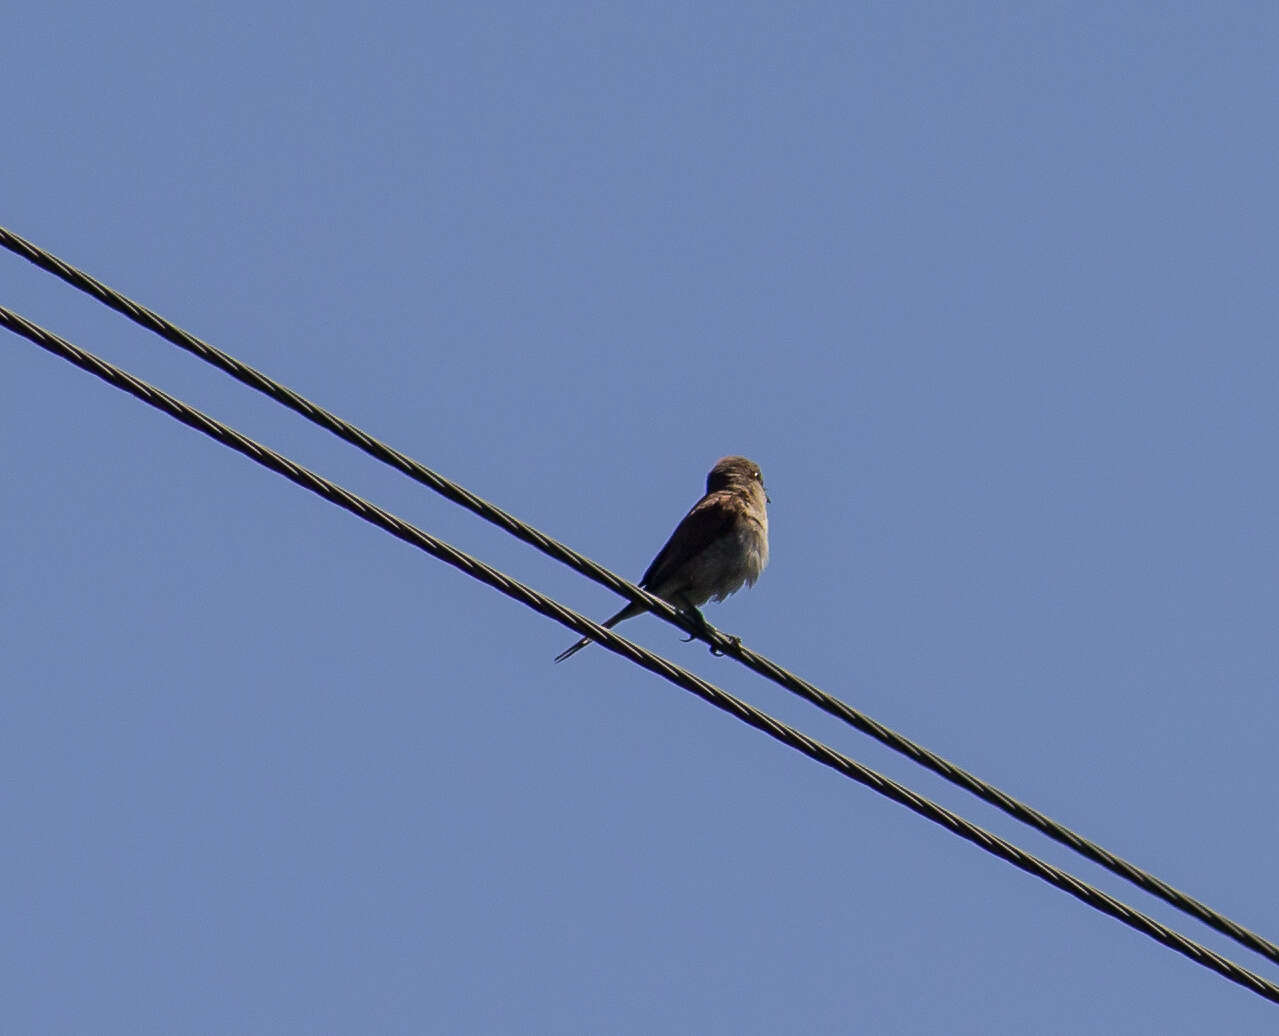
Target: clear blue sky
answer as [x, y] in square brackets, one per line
[988, 290]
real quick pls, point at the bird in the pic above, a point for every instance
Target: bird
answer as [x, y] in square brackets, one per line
[721, 544]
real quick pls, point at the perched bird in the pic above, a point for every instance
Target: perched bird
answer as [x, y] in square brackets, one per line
[721, 544]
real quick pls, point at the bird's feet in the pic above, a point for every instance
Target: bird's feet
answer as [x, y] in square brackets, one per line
[698, 620]
[707, 630]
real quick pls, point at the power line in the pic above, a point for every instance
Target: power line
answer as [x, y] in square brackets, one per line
[654, 663]
[726, 645]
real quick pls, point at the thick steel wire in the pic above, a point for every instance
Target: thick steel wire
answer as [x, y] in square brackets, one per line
[654, 663]
[560, 552]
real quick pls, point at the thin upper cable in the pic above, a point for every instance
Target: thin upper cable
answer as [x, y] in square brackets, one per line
[727, 645]
[654, 663]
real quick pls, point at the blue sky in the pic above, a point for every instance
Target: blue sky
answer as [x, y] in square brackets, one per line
[988, 292]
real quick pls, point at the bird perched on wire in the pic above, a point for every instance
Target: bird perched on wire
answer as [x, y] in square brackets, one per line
[720, 544]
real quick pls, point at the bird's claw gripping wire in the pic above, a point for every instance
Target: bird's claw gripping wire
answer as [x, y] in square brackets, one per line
[706, 630]
[690, 612]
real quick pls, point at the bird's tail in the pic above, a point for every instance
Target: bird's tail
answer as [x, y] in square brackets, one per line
[626, 613]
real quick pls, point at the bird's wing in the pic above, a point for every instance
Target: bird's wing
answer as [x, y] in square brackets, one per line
[705, 523]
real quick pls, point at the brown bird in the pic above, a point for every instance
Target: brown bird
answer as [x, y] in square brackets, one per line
[720, 544]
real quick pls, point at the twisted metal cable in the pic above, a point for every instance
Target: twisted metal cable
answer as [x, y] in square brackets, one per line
[730, 646]
[642, 657]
